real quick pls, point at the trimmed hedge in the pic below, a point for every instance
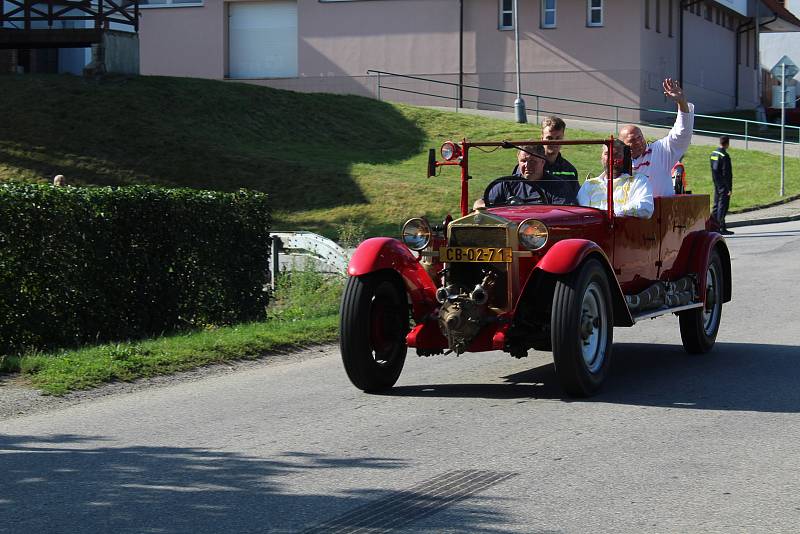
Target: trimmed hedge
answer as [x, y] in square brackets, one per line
[82, 265]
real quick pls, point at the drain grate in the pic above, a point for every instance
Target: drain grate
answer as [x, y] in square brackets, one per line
[404, 507]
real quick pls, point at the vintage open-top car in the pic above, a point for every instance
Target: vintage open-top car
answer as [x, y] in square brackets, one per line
[532, 276]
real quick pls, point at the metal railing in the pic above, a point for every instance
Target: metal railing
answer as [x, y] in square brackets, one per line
[748, 126]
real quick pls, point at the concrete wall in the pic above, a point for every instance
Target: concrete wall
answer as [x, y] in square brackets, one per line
[121, 52]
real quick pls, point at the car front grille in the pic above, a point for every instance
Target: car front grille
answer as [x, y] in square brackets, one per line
[468, 275]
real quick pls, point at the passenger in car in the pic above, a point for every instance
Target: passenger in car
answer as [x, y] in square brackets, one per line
[655, 160]
[633, 196]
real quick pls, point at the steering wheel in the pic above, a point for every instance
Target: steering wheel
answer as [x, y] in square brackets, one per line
[544, 196]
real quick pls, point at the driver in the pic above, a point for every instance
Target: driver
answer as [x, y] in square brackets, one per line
[633, 195]
[531, 163]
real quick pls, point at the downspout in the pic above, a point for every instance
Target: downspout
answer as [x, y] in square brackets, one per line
[460, 54]
[740, 29]
[681, 8]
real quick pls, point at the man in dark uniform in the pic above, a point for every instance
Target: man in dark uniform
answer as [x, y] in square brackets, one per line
[722, 174]
[560, 175]
[526, 186]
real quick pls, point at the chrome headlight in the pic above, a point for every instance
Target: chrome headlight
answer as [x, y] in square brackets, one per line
[416, 233]
[533, 234]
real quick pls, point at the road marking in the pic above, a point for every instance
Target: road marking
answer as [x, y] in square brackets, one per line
[401, 508]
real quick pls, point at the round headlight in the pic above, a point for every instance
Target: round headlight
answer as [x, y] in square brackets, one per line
[416, 233]
[533, 234]
[450, 151]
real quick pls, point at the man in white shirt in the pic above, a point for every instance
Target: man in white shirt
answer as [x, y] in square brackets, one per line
[655, 160]
[633, 196]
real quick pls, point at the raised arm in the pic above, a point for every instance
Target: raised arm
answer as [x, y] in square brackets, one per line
[680, 136]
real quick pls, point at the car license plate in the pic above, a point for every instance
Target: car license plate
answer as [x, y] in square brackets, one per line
[475, 254]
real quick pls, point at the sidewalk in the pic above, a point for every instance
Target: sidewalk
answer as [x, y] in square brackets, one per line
[789, 211]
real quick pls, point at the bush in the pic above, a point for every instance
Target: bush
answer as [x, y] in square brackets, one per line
[96, 264]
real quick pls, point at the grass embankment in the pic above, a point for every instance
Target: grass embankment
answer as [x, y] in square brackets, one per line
[304, 313]
[329, 162]
[324, 159]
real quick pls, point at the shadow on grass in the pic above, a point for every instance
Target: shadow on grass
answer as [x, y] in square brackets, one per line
[82, 483]
[734, 376]
[182, 132]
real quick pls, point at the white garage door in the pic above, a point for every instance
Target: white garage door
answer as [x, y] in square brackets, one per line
[263, 39]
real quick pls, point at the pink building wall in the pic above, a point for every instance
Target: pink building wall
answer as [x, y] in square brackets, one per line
[619, 63]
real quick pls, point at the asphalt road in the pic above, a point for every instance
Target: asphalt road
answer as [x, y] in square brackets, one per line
[480, 443]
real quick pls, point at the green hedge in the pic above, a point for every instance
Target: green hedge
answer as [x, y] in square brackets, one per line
[82, 265]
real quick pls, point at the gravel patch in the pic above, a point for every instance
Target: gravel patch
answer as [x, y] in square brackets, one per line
[18, 398]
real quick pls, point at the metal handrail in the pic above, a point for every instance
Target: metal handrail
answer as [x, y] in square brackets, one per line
[746, 136]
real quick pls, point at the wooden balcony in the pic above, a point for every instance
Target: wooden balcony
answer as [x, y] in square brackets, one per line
[39, 24]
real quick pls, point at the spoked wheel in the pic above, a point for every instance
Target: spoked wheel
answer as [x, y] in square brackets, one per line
[373, 329]
[582, 329]
[699, 326]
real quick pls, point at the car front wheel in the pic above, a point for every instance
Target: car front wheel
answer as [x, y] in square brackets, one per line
[373, 329]
[699, 326]
[582, 329]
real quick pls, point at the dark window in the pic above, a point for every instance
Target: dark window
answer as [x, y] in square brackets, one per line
[548, 13]
[670, 9]
[506, 14]
[707, 8]
[594, 14]
[658, 16]
[647, 14]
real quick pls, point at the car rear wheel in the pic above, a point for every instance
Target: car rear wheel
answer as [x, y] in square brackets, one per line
[699, 326]
[582, 329]
[373, 329]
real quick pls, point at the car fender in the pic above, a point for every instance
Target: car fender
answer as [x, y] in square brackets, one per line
[385, 253]
[567, 255]
[695, 255]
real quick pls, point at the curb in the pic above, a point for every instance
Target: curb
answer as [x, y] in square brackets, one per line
[768, 220]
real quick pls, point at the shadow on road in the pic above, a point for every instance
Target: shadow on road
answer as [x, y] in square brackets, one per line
[734, 376]
[74, 483]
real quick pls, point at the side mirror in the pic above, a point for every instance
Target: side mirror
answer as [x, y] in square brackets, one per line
[431, 162]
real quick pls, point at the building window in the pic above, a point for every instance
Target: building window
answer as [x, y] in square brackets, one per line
[506, 14]
[647, 14]
[594, 13]
[707, 10]
[548, 13]
[670, 9]
[658, 16]
[718, 17]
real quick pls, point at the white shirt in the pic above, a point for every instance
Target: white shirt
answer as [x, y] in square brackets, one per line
[660, 156]
[633, 196]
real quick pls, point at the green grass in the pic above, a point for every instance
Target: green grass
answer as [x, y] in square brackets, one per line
[305, 313]
[325, 159]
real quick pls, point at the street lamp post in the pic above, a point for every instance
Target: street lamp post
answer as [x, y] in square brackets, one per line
[519, 103]
[783, 123]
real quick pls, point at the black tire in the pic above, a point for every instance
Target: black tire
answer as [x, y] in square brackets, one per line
[699, 326]
[582, 329]
[373, 329]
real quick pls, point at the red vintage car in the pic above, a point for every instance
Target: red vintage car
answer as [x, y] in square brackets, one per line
[535, 276]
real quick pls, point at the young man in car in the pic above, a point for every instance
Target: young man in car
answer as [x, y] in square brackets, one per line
[559, 171]
[633, 196]
[655, 160]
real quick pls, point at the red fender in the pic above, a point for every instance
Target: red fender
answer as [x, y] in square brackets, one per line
[565, 256]
[380, 253]
[695, 255]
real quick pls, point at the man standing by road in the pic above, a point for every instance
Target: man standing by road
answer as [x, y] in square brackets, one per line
[655, 160]
[722, 174]
[557, 169]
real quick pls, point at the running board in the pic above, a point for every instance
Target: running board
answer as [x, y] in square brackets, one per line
[664, 311]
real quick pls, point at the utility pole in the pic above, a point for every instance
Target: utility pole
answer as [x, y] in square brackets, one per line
[519, 103]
